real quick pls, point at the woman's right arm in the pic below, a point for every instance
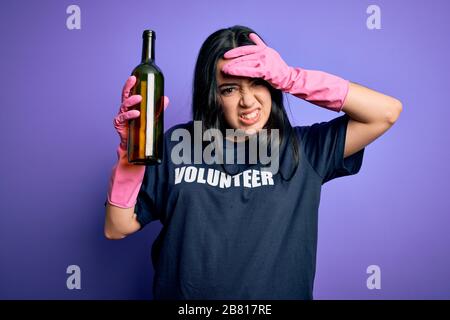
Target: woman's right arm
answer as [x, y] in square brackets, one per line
[126, 179]
[120, 222]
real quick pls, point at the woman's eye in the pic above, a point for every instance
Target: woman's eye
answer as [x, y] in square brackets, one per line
[227, 91]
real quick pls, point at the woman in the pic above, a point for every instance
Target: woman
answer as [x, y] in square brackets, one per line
[237, 231]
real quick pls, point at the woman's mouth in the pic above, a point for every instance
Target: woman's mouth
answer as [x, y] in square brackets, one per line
[250, 117]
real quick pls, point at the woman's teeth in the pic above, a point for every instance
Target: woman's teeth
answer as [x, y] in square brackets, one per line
[250, 115]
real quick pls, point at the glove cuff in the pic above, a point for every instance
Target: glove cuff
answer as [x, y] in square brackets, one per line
[125, 182]
[320, 88]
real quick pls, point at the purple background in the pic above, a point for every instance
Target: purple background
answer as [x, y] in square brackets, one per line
[60, 90]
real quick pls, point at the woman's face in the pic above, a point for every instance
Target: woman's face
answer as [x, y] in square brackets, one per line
[246, 102]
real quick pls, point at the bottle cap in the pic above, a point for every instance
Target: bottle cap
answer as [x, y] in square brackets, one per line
[149, 34]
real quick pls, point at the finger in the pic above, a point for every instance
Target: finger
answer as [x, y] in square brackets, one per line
[131, 81]
[257, 40]
[166, 102]
[125, 116]
[132, 114]
[244, 59]
[241, 51]
[248, 71]
[233, 66]
[131, 101]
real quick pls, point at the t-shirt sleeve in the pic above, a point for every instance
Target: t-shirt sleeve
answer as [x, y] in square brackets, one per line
[150, 197]
[324, 144]
[151, 200]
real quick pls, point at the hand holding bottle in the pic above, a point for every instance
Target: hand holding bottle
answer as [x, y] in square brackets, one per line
[121, 120]
[126, 178]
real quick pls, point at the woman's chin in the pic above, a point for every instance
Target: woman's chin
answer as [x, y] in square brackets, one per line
[250, 131]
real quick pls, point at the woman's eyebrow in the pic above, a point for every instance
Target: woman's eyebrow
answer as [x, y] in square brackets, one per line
[228, 84]
[252, 80]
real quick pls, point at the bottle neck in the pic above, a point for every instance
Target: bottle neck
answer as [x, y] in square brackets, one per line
[148, 49]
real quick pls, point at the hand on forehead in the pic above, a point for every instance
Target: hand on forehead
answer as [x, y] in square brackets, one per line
[224, 77]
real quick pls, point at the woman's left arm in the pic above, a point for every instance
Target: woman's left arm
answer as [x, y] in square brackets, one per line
[371, 114]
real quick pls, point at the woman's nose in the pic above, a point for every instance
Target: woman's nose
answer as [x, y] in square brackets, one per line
[248, 99]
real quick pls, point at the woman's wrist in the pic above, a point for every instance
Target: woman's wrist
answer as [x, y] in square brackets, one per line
[125, 181]
[318, 87]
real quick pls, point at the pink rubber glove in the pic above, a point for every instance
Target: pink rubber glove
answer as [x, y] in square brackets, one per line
[126, 178]
[260, 61]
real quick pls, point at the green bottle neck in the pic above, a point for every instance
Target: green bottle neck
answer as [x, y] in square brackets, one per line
[148, 49]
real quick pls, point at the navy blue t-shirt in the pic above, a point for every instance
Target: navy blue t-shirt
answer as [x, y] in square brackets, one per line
[245, 235]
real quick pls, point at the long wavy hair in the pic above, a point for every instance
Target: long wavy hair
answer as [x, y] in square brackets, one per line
[206, 106]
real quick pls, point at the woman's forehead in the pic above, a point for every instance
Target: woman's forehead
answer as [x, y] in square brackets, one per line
[219, 73]
[224, 77]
